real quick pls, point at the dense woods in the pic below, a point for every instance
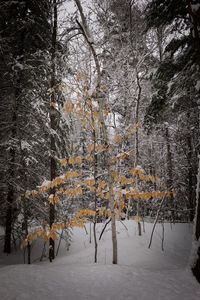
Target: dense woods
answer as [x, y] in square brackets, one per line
[99, 117]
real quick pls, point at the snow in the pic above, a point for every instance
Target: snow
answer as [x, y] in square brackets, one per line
[45, 183]
[195, 7]
[197, 86]
[25, 145]
[142, 273]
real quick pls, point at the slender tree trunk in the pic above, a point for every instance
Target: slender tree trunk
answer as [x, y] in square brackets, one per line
[9, 218]
[26, 232]
[196, 264]
[95, 170]
[191, 172]
[169, 170]
[53, 125]
[137, 119]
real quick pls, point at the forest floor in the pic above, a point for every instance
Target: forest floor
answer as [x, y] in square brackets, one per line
[141, 274]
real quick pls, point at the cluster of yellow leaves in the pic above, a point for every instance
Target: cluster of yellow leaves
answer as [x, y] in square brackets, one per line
[89, 158]
[97, 147]
[114, 174]
[76, 160]
[103, 212]
[42, 189]
[140, 173]
[86, 213]
[102, 184]
[71, 175]
[104, 195]
[54, 199]
[125, 181]
[136, 195]
[136, 171]
[122, 180]
[32, 194]
[122, 156]
[149, 178]
[76, 222]
[118, 139]
[113, 160]
[73, 192]
[47, 233]
[89, 182]
[56, 182]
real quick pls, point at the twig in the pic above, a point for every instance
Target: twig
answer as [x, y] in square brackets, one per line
[43, 251]
[59, 243]
[104, 228]
[85, 230]
[123, 225]
[156, 220]
[163, 236]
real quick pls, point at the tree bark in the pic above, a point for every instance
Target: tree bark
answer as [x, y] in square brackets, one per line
[169, 170]
[53, 125]
[196, 265]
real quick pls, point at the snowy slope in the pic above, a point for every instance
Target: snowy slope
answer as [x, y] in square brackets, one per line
[142, 273]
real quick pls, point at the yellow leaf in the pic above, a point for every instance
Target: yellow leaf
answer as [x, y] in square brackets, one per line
[68, 107]
[118, 139]
[89, 158]
[89, 182]
[114, 174]
[63, 162]
[122, 156]
[27, 194]
[78, 160]
[34, 193]
[102, 184]
[71, 175]
[42, 189]
[50, 199]
[53, 235]
[113, 160]
[123, 180]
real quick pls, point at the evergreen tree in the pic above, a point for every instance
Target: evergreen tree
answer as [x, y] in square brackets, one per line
[24, 34]
[176, 84]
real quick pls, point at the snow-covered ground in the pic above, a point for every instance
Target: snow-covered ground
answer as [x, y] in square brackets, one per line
[142, 273]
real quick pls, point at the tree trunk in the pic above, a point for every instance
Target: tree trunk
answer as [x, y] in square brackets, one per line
[196, 264]
[9, 218]
[10, 196]
[53, 124]
[169, 170]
